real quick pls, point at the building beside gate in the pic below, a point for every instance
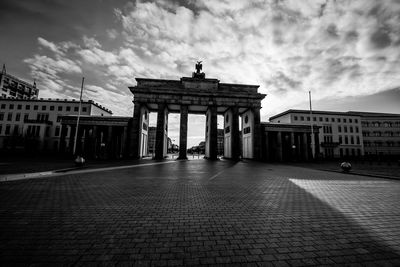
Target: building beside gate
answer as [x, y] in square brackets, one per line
[289, 142]
[99, 137]
[35, 124]
[340, 134]
[380, 132]
[13, 87]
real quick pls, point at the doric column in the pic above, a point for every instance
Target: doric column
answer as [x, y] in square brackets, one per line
[134, 138]
[257, 134]
[110, 148]
[213, 144]
[95, 141]
[71, 138]
[235, 137]
[305, 146]
[316, 143]
[279, 146]
[64, 131]
[183, 132]
[124, 141]
[292, 146]
[160, 132]
[266, 146]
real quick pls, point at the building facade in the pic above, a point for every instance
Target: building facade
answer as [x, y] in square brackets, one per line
[99, 137]
[340, 134]
[35, 124]
[381, 133]
[13, 87]
[288, 142]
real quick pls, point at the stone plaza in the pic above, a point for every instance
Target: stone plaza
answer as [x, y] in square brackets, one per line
[200, 212]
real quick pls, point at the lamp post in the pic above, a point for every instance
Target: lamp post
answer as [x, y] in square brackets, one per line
[312, 129]
[77, 120]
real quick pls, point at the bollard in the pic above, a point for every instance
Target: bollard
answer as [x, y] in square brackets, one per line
[346, 166]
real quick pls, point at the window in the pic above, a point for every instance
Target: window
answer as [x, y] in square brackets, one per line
[1, 116]
[68, 108]
[51, 107]
[84, 109]
[18, 116]
[302, 118]
[333, 119]
[350, 120]
[9, 116]
[57, 132]
[358, 140]
[352, 140]
[327, 119]
[339, 129]
[344, 120]
[345, 129]
[351, 129]
[356, 129]
[314, 119]
[76, 109]
[1, 126]
[47, 132]
[26, 116]
[44, 107]
[340, 139]
[338, 120]
[3, 106]
[19, 107]
[8, 127]
[15, 130]
[59, 108]
[11, 106]
[356, 120]
[308, 118]
[58, 117]
[35, 107]
[295, 118]
[28, 107]
[320, 118]
[346, 140]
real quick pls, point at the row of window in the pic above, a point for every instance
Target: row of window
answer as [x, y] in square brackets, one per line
[350, 129]
[43, 108]
[31, 131]
[41, 117]
[302, 118]
[347, 139]
[381, 144]
[387, 124]
[378, 133]
[346, 152]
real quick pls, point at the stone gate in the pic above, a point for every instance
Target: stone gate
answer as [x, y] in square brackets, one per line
[197, 95]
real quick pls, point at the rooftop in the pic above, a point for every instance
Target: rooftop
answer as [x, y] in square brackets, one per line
[57, 100]
[303, 111]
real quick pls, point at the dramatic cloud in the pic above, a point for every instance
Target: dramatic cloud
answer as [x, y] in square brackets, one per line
[333, 48]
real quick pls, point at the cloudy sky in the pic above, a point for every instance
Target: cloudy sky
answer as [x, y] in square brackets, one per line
[346, 52]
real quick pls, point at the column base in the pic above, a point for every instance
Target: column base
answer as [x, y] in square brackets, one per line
[182, 158]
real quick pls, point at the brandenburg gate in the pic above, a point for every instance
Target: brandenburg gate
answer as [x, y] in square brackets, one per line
[197, 95]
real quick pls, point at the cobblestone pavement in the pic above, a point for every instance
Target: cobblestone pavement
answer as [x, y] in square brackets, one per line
[201, 213]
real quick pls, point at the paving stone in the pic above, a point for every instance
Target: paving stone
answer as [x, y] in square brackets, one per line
[171, 215]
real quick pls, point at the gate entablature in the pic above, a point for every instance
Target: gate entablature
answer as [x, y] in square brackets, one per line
[197, 93]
